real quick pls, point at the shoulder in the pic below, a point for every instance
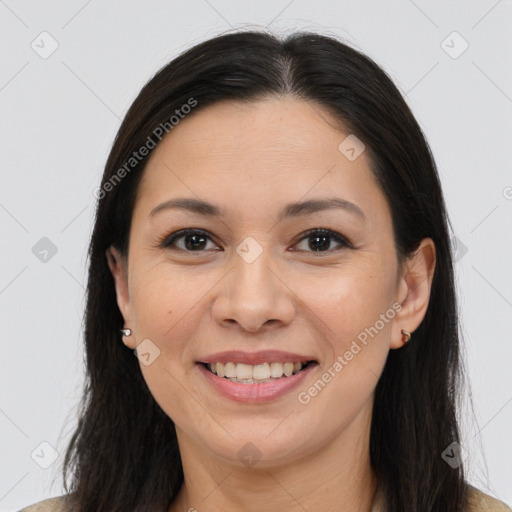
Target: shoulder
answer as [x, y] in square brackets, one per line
[48, 505]
[481, 502]
[477, 502]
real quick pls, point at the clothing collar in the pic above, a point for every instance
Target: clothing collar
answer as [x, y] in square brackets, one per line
[378, 500]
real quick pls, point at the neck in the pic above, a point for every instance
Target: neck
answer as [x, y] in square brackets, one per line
[336, 477]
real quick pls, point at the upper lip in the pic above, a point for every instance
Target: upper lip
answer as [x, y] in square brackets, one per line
[263, 356]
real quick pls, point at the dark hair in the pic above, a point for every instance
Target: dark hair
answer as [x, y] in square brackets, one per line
[124, 453]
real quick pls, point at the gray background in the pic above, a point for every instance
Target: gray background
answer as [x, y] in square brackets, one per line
[59, 118]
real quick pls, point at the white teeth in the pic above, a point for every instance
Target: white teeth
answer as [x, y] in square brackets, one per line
[221, 370]
[230, 369]
[276, 370]
[249, 374]
[288, 369]
[261, 371]
[243, 371]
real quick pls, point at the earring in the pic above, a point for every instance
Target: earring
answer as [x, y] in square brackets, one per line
[406, 336]
[126, 332]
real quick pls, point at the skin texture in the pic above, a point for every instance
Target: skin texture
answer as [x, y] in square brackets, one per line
[252, 160]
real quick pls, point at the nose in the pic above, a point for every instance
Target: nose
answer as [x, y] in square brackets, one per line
[253, 296]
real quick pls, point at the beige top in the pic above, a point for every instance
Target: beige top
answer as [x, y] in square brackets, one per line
[478, 502]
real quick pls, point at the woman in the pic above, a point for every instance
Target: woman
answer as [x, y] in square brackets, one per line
[272, 242]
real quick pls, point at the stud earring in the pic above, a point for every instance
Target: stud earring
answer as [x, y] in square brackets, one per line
[126, 332]
[406, 336]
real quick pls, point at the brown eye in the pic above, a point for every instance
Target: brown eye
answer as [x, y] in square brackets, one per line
[194, 240]
[321, 239]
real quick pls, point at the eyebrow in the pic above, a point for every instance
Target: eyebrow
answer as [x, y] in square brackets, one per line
[201, 207]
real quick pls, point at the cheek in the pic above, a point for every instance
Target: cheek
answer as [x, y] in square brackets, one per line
[166, 309]
[356, 308]
[350, 301]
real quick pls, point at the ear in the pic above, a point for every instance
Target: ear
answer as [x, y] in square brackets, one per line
[118, 267]
[414, 288]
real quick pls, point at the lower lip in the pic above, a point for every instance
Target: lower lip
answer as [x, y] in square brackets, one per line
[255, 393]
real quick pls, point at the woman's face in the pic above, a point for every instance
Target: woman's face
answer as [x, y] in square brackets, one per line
[253, 282]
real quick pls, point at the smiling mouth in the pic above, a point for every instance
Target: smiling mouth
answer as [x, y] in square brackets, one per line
[258, 373]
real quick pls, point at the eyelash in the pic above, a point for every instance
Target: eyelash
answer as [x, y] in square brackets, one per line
[167, 241]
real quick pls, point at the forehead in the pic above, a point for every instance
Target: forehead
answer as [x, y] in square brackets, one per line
[249, 156]
[230, 130]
